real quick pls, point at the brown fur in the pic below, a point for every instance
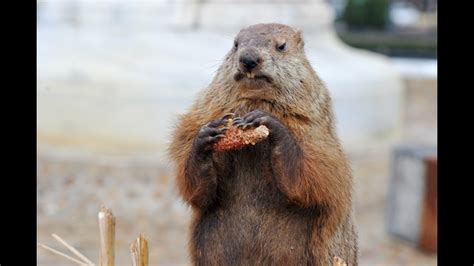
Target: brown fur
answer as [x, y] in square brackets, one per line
[268, 204]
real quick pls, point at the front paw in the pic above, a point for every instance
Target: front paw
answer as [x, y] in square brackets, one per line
[258, 117]
[210, 134]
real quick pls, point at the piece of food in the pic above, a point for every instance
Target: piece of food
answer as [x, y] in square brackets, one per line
[236, 138]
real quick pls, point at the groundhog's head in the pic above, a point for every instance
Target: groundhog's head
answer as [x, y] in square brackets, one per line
[267, 61]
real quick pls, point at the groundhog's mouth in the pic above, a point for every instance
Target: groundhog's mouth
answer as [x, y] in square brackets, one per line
[252, 77]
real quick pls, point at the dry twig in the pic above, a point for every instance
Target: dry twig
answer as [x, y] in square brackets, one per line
[139, 250]
[107, 237]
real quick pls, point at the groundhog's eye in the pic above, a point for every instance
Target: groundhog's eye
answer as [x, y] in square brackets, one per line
[236, 44]
[281, 47]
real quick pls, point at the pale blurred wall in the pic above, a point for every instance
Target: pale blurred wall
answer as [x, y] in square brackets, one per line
[113, 75]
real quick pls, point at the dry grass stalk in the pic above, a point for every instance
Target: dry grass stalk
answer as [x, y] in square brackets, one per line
[107, 237]
[139, 250]
[73, 250]
[54, 251]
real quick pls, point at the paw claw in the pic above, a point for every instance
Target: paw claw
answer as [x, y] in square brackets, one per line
[219, 136]
[237, 120]
[227, 116]
[239, 124]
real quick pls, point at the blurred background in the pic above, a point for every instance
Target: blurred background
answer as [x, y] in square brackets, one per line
[113, 75]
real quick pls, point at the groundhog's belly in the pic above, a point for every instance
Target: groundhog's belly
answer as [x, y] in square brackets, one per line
[253, 235]
[252, 222]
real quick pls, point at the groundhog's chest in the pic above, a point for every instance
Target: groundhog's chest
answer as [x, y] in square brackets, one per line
[248, 180]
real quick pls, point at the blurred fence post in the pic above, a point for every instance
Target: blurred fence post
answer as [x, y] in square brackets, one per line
[429, 229]
[412, 197]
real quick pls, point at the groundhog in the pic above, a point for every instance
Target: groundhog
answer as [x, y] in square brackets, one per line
[286, 200]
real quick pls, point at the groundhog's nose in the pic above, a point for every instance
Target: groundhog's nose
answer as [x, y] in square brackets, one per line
[249, 61]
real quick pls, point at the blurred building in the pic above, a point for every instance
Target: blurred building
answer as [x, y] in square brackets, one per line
[110, 73]
[422, 5]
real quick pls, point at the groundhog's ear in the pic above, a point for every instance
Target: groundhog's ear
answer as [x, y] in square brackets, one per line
[299, 38]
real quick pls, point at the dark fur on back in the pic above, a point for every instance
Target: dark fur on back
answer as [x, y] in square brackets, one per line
[286, 200]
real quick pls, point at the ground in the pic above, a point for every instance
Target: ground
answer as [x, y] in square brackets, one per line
[145, 207]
